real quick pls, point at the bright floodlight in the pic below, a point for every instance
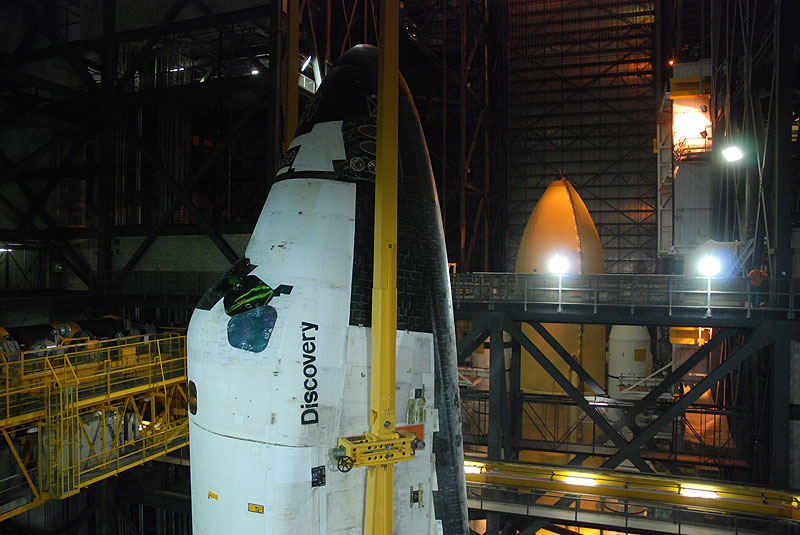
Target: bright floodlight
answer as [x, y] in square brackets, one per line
[584, 481]
[558, 264]
[698, 493]
[254, 72]
[472, 469]
[733, 153]
[709, 266]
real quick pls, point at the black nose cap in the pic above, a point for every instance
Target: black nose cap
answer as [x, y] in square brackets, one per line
[347, 92]
[360, 56]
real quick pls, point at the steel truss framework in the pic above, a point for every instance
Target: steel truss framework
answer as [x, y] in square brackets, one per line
[133, 118]
[581, 101]
[756, 106]
[155, 122]
[454, 63]
[632, 442]
[76, 415]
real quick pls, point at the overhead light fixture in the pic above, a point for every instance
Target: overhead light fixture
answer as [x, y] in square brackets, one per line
[305, 63]
[733, 153]
[709, 266]
[578, 480]
[254, 71]
[472, 469]
[558, 264]
[5, 250]
[698, 493]
[671, 62]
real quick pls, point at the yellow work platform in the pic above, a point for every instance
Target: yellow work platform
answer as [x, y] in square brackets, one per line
[566, 494]
[75, 414]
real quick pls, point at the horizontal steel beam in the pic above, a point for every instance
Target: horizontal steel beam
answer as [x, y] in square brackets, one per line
[573, 364]
[761, 337]
[625, 450]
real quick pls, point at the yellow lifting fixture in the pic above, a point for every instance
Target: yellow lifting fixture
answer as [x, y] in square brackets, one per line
[383, 446]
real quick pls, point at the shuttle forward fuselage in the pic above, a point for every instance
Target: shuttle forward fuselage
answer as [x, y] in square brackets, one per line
[279, 348]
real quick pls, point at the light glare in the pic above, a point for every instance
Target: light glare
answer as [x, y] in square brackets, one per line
[254, 71]
[305, 64]
[558, 265]
[733, 154]
[584, 481]
[698, 493]
[3, 250]
[472, 469]
[709, 266]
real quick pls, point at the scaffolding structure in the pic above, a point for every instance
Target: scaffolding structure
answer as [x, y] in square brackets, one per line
[76, 414]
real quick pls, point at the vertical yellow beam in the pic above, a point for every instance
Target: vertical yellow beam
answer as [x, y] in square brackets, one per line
[380, 479]
[292, 73]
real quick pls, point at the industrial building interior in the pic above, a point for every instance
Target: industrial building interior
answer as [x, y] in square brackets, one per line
[639, 388]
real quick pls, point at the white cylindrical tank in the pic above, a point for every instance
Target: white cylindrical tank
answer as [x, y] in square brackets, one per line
[628, 355]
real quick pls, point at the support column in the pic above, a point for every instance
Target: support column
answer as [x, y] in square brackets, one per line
[107, 176]
[781, 231]
[462, 100]
[497, 388]
[780, 379]
[515, 399]
[497, 404]
[291, 72]
[105, 511]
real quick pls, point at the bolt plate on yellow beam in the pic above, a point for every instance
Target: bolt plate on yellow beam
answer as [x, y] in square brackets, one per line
[368, 450]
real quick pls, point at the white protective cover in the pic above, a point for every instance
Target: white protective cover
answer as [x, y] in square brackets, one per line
[251, 455]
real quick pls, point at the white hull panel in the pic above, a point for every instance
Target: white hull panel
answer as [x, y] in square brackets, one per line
[267, 419]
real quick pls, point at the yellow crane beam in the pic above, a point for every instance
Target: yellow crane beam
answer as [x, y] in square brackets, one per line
[380, 479]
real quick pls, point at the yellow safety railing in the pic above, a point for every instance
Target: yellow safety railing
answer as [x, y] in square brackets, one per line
[560, 481]
[76, 414]
[101, 369]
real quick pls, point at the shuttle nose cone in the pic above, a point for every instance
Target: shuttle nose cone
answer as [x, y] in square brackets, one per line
[560, 237]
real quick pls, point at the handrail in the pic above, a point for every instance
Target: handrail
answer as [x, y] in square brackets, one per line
[97, 369]
[71, 392]
[718, 496]
[595, 293]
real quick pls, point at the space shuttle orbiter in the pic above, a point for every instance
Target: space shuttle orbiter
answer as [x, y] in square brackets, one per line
[278, 349]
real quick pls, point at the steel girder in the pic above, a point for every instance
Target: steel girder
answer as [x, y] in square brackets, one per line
[767, 333]
[777, 334]
[101, 100]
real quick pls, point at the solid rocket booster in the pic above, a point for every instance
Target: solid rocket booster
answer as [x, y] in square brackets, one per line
[279, 348]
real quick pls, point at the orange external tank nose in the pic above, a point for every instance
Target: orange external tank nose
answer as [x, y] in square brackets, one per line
[560, 238]
[560, 225]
